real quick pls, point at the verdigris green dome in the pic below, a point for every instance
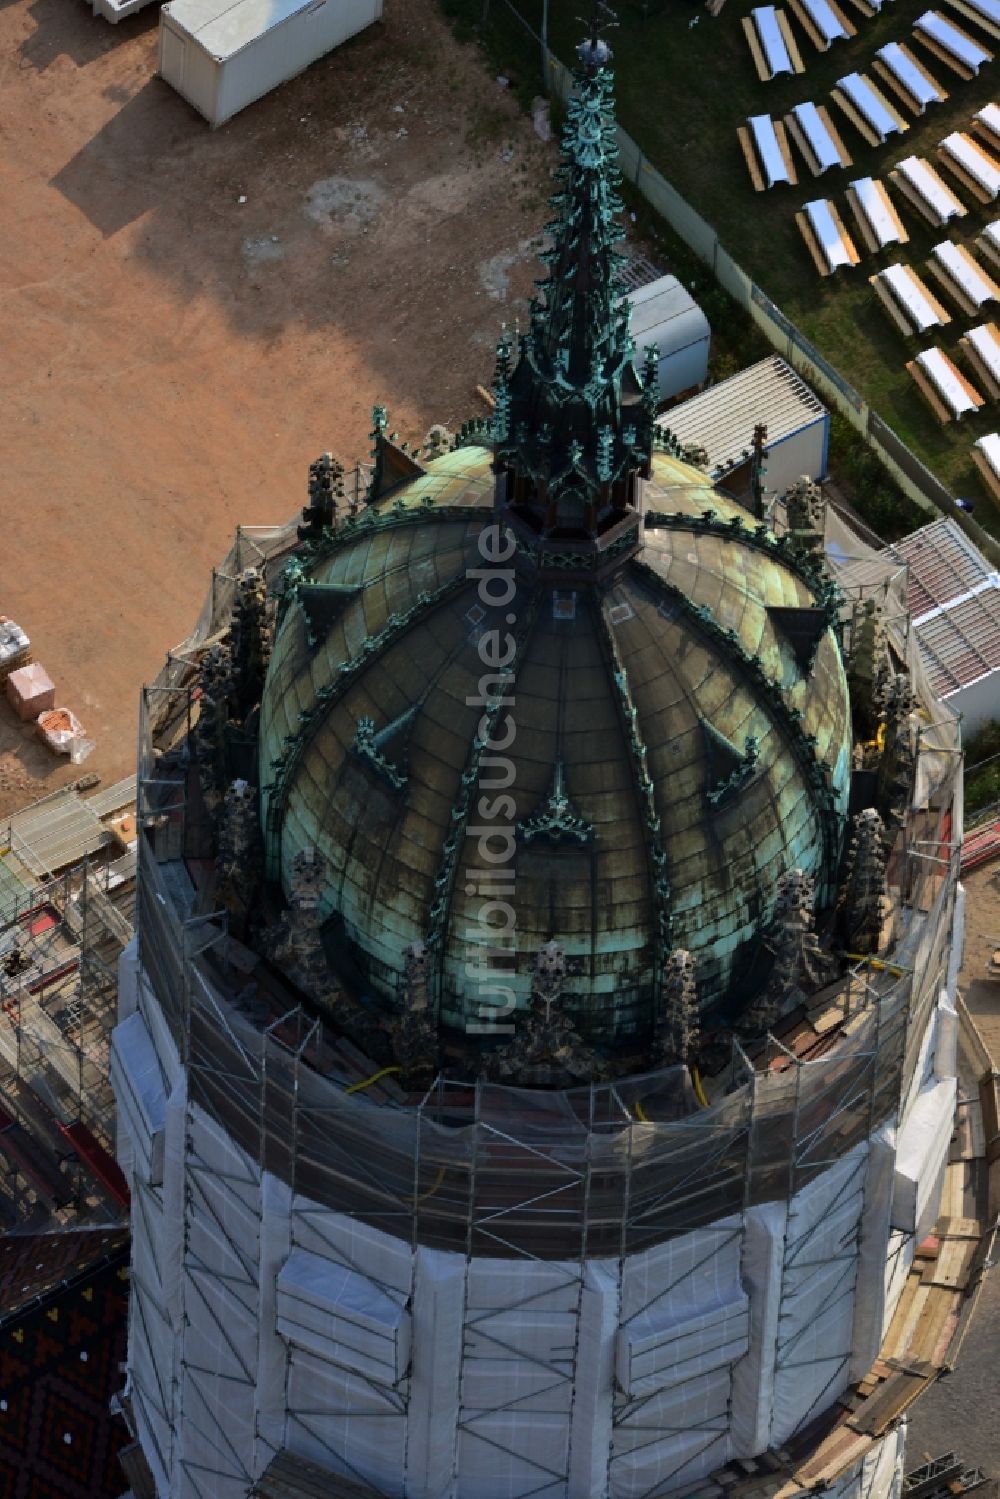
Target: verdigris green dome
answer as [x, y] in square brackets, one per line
[679, 738]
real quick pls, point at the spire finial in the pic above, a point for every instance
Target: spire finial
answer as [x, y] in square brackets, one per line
[594, 52]
[574, 436]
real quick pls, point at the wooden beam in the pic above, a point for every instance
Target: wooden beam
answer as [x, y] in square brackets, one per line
[943, 55]
[985, 134]
[750, 157]
[861, 219]
[848, 242]
[856, 118]
[756, 53]
[973, 15]
[782, 138]
[928, 392]
[982, 463]
[890, 209]
[888, 301]
[965, 178]
[806, 22]
[899, 87]
[824, 114]
[947, 282]
[982, 372]
[790, 42]
[988, 248]
[791, 124]
[806, 230]
[848, 25]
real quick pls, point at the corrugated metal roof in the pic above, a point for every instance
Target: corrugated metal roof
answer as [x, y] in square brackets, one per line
[722, 418]
[961, 642]
[954, 602]
[665, 312]
[944, 565]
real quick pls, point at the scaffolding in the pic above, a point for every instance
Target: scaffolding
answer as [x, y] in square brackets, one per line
[551, 1182]
[59, 949]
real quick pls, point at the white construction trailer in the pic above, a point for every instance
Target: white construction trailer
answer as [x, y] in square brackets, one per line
[665, 314]
[221, 55]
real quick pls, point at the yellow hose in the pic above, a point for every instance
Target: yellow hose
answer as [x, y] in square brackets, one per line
[877, 963]
[383, 1072]
[431, 1190]
[699, 1091]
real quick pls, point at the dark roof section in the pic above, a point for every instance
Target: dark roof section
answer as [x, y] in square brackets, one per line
[34, 1268]
[291, 1477]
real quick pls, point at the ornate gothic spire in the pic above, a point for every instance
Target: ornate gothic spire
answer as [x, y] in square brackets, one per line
[573, 424]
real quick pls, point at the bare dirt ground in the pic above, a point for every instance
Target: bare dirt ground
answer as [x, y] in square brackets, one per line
[190, 317]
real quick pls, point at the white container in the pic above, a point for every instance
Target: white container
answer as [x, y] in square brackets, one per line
[221, 55]
[665, 314]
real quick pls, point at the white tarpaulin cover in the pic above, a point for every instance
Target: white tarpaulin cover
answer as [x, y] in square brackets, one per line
[342, 1317]
[753, 1377]
[827, 234]
[775, 51]
[989, 446]
[921, 1156]
[771, 159]
[689, 1289]
[869, 1294]
[138, 1087]
[816, 1323]
[824, 19]
[989, 115]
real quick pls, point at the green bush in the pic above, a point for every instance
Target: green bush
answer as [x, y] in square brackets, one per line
[867, 484]
[982, 767]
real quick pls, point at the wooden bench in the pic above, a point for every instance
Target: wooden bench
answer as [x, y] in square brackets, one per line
[969, 13]
[943, 55]
[928, 392]
[757, 51]
[815, 248]
[984, 466]
[898, 313]
[982, 372]
[858, 120]
[864, 227]
[805, 20]
[915, 200]
[964, 176]
[897, 85]
[988, 248]
[745, 136]
[792, 126]
[930, 395]
[954, 289]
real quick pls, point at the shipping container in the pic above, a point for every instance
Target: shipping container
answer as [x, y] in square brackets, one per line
[222, 56]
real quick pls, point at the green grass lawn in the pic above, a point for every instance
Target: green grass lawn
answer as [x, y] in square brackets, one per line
[682, 91]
